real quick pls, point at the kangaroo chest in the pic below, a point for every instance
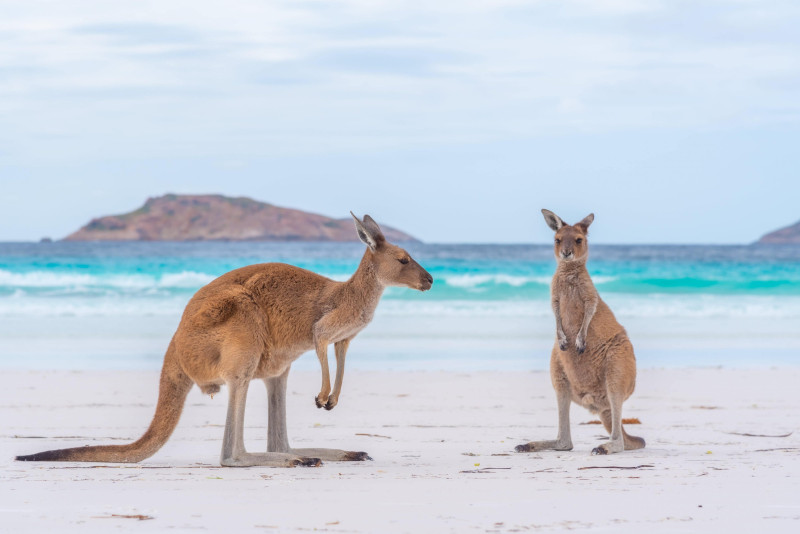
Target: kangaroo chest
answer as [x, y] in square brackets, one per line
[571, 304]
[352, 325]
[343, 332]
[344, 322]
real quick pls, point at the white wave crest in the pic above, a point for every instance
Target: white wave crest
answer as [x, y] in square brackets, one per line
[185, 279]
[195, 280]
[603, 279]
[50, 279]
[475, 280]
[43, 279]
[90, 307]
[467, 281]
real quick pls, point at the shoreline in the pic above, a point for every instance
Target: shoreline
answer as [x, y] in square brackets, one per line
[443, 448]
[404, 343]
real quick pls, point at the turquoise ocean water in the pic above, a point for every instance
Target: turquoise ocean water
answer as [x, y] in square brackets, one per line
[115, 305]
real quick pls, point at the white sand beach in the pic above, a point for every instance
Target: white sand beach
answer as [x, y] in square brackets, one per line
[442, 445]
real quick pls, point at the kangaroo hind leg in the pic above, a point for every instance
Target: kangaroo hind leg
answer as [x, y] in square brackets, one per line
[234, 453]
[277, 438]
[630, 442]
[564, 440]
[612, 420]
[239, 362]
[619, 386]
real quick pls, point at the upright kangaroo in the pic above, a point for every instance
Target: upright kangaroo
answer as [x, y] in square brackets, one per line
[253, 323]
[592, 362]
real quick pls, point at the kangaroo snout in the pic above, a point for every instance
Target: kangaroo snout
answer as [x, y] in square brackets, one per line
[426, 282]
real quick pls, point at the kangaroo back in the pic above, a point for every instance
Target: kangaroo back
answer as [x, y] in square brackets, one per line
[172, 391]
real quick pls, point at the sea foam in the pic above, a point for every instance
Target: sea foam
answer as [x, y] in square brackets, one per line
[66, 280]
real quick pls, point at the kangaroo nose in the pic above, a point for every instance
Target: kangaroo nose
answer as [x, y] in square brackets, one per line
[429, 278]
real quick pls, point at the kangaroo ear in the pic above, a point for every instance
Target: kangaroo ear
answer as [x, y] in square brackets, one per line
[586, 222]
[553, 221]
[369, 232]
[374, 230]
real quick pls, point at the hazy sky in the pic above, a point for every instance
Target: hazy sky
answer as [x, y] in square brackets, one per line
[673, 121]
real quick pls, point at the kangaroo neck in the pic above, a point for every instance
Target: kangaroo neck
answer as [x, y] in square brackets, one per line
[364, 286]
[571, 268]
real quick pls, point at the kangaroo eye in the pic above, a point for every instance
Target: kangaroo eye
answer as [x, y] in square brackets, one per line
[558, 241]
[579, 241]
[404, 261]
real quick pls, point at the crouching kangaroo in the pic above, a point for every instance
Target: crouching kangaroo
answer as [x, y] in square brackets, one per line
[592, 362]
[252, 323]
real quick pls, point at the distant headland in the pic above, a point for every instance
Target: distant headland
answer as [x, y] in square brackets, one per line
[789, 235]
[220, 218]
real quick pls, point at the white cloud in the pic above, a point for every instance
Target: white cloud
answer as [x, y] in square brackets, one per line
[248, 76]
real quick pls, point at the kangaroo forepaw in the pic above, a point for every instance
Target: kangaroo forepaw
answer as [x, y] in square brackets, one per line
[331, 403]
[318, 402]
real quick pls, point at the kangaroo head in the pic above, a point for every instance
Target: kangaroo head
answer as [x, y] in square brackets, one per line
[393, 265]
[570, 240]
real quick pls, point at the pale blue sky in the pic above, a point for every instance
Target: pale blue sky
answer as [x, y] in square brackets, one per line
[674, 122]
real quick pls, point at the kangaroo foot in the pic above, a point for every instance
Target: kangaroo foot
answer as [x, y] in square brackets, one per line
[610, 447]
[552, 445]
[270, 459]
[333, 455]
[309, 462]
[357, 456]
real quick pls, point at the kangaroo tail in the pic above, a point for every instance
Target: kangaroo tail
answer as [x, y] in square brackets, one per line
[632, 442]
[173, 389]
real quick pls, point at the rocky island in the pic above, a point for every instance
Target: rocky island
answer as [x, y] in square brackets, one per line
[220, 218]
[789, 235]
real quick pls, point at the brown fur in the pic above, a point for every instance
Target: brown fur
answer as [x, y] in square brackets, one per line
[252, 323]
[592, 362]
